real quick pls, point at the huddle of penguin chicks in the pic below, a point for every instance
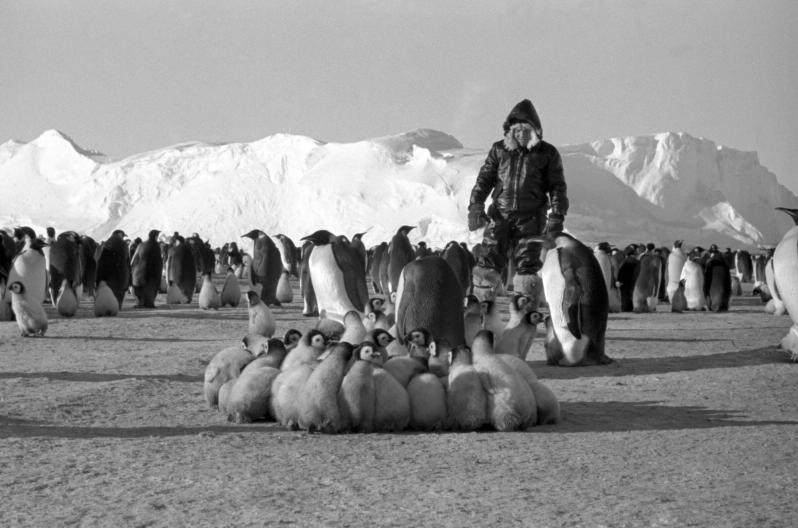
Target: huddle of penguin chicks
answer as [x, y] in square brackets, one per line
[340, 378]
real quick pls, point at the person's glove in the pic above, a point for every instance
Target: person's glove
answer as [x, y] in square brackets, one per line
[554, 224]
[476, 217]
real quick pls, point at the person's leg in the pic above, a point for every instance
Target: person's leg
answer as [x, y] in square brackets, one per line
[526, 254]
[487, 272]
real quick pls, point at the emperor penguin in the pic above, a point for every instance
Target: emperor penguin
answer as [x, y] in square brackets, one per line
[578, 303]
[472, 318]
[266, 265]
[65, 266]
[646, 288]
[146, 269]
[391, 403]
[208, 296]
[785, 264]
[359, 248]
[267, 351]
[457, 257]
[113, 264]
[310, 307]
[311, 345]
[354, 330]
[693, 276]
[429, 296]
[775, 305]
[602, 254]
[743, 266]
[318, 404]
[627, 278]
[231, 290]
[225, 365]
[67, 303]
[548, 407]
[357, 394]
[517, 340]
[88, 250]
[717, 283]
[427, 397]
[337, 275]
[105, 302]
[288, 254]
[30, 314]
[249, 396]
[378, 255]
[261, 320]
[181, 269]
[400, 252]
[466, 399]
[510, 401]
[678, 300]
[29, 268]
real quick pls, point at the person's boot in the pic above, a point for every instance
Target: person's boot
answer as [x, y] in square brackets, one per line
[529, 286]
[486, 283]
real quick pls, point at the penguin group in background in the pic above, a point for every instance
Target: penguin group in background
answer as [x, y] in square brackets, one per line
[113, 265]
[337, 275]
[146, 269]
[265, 267]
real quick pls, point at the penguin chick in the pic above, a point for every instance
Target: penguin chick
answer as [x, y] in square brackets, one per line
[261, 320]
[466, 399]
[517, 340]
[231, 290]
[225, 365]
[307, 351]
[491, 318]
[357, 395]
[291, 338]
[31, 317]
[472, 318]
[208, 296]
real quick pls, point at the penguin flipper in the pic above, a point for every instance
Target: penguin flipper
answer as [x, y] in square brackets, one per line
[487, 384]
[571, 304]
[354, 273]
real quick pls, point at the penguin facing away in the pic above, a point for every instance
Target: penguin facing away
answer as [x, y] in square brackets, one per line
[113, 264]
[357, 395]
[466, 399]
[146, 269]
[231, 290]
[266, 265]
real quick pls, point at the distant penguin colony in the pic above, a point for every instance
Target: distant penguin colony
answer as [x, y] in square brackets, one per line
[421, 353]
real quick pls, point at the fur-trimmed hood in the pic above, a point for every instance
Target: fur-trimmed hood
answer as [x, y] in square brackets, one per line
[523, 112]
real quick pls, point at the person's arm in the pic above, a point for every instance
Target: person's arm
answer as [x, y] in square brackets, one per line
[558, 194]
[486, 181]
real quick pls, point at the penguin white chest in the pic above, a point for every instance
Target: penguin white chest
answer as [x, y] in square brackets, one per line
[328, 283]
[554, 287]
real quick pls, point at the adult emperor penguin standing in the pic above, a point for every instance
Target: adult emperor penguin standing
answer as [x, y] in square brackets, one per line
[65, 272]
[785, 264]
[400, 252]
[181, 270]
[266, 266]
[113, 264]
[429, 296]
[717, 283]
[29, 267]
[337, 274]
[578, 303]
[146, 269]
[676, 260]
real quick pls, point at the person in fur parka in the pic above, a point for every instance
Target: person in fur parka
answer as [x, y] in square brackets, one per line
[524, 176]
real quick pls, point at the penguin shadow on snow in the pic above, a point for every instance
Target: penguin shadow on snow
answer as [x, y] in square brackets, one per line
[11, 427]
[584, 417]
[663, 365]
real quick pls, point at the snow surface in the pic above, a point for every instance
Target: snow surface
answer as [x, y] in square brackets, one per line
[630, 189]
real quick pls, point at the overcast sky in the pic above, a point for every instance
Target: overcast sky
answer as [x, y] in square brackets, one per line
[125, 77]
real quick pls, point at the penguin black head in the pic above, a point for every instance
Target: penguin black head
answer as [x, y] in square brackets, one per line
[292, 337]
[69, 235]
[419, 337]
[605, 247]
[51, 232]
[118, 233]
[252, 297]
[21, 232]
[276, 347]
[254, 234]
[17, 287]
[484, 335]
[678, 243]
[462, 353]
[404, 230]
[320, 237]
[153, 234]
[380, 337]
[375, 304]
[359, 236]
[314, 338]
[366, 351]
[37, 244]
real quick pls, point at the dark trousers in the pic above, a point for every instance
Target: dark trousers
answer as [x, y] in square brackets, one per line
[511, 237]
